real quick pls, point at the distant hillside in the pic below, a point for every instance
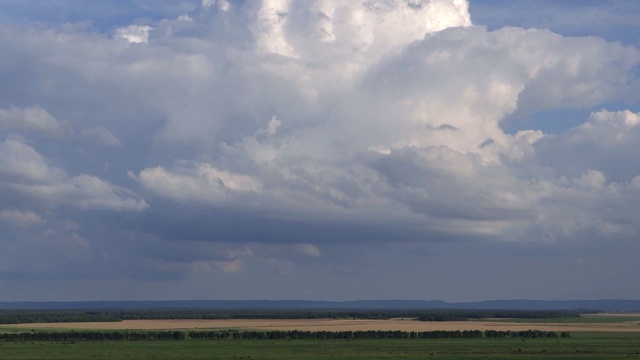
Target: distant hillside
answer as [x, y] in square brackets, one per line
[595, 305]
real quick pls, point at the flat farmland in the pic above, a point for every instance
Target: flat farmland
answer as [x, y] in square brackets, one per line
[592, 337]
[586, 345]
[632, 325]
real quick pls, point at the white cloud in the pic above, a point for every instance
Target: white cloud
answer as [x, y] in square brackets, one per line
[21, 218]
[309, 250]
[207, 268]
[231, 266]
[606, 142]
[438, 121]
[27, 172]
[32, 119]
[20, 162]
[102, 136]
[135, 34]
[314, 122]
[283, 108]
[203, 182]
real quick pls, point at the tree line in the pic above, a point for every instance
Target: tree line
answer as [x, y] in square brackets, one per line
[106, 315]
[462, 315]
[269, 335]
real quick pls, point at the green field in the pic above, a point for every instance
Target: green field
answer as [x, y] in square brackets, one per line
[575, 320]
[580, 346]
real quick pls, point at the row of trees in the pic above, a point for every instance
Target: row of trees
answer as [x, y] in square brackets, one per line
[462, 315]
[45, 316]
[50, 316]
[263, 335]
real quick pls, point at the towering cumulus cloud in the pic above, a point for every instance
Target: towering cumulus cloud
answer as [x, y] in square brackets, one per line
[297, 137]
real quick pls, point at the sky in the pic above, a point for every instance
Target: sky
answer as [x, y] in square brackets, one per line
[319, 150]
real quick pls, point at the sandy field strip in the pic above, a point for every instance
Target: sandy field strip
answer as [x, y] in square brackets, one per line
[333, 325]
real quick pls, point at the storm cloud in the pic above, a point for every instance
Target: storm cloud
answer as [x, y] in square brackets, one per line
[292, 149]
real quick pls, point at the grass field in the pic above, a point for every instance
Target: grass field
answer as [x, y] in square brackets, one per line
[584, 346]
[583, 319]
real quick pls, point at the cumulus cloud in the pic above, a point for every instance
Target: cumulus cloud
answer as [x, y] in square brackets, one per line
[428, 141]
[309, 249]
[604, 142]
[21, 218]
[313, 123]
[102, 136]
[204, 183]
[27, 172]
[31, 119]
[134, 34]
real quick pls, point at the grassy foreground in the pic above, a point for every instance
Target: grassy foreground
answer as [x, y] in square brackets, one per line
[580, 346]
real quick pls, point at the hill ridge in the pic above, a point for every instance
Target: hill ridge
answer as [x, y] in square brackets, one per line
[615, 305]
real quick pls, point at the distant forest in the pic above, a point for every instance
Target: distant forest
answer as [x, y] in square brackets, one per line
[55, 316]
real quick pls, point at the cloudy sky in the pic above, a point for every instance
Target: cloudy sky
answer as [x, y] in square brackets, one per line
[319, 149]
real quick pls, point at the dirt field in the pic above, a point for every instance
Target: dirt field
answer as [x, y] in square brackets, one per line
[335, 325]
